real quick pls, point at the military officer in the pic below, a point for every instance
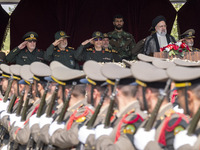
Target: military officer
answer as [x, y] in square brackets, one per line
[188, 38]
[61, 52]
[26, 52]
[107, 46]
[121, 41]
[97, 53]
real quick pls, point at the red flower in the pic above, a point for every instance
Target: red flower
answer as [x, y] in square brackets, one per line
[175, 47]
[180, 50]
[183, 45]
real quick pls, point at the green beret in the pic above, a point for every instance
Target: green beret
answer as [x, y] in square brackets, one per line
[30, 36]
[60, 34]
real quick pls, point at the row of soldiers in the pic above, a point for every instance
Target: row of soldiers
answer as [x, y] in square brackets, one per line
[105, 106]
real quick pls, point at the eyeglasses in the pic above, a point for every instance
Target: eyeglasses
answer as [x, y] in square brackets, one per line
[32, 41]
[96, 39]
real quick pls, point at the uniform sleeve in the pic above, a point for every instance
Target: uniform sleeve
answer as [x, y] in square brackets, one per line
[105, 142]
[35, 132]
[152, 145]
[48, 55]
[44, 134]
[139, 47]
[147, 47]
[80, 54]
[11, 57]
[90, 142]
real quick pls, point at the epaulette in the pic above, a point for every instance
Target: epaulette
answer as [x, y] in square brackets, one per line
[114, 51]
[89, 49]
[107, 50]
[71, 48]
[38, 50]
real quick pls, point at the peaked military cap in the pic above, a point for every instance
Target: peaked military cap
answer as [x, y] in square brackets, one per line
[148, 58]
[162, 64]
[188, 34]
[5, 71]
[60, 34]
[30, 36]
[184, 76]
[157, 19]
[185, 63]
[97, 34]
[26, 74]
[93, 73]
[149, 75]
[105, 35]
[40, 70]
[15, 71]
[55, 64]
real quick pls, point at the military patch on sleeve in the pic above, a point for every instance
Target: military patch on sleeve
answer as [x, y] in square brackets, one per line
[178, 129]
[129, 129]
[81, 119]
[71, 48]
[114, 51]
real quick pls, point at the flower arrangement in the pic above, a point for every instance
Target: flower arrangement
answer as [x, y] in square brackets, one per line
[175, 48]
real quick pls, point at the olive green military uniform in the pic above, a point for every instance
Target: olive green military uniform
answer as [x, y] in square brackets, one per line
[66, 57]
[126, 131]
[24, 56]
[123, 42]
[84, 54]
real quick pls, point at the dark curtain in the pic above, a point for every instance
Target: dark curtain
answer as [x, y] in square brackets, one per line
[80, 18]
[34, 15]
[4, 17]
[189, 18]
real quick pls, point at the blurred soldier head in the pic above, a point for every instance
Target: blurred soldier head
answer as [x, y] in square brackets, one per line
[118, 22]
[62, 35]
[159, 24]
[97, 41]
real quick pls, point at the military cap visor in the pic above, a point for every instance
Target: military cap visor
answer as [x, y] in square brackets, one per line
[60, 34]
[30, 36]
[146, 58]
[188, 34]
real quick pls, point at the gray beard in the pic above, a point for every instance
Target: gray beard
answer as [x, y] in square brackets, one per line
[162, 33]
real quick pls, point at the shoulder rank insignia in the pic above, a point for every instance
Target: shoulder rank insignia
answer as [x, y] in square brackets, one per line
[89, 49]
[107, 50]
[71, 48]
[114, 51]
[178, 129]
[129, 129]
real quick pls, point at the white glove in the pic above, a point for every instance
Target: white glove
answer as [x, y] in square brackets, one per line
[14, 118]
[100, 130]
[19, 124]
[33, 120]
[4, 105]
[83, 133]
[182, 138]
[142, 138]
[44, 120]
[55, 126]
[5, 147]
[177, 109]
[4, 113]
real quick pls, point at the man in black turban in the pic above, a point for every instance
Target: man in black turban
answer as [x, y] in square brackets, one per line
[160, 38]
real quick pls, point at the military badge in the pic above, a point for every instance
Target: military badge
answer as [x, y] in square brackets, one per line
[178, 129]
[97, 33]
[32, 35]
[190, 33]
[62, 33]
[129, 129]
[81, 119]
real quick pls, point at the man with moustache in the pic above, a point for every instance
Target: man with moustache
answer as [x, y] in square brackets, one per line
[188, 38]
[26, 52]
[61, 52]
[123, 42]
[160, 38]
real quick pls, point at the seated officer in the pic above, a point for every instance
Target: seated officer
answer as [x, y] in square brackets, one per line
[188, 38]
[61, 52]
[26, 52]
[97, 53]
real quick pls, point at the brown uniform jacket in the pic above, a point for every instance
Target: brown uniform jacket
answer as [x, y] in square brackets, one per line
[126, 131]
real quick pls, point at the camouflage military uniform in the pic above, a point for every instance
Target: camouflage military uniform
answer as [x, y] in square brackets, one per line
[24, 56]
[122, 42]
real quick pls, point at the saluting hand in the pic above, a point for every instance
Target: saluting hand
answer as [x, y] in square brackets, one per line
[87, 41]
[22, 45]
[56, 42]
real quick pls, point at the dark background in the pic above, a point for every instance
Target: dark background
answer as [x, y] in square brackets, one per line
[80, 18]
